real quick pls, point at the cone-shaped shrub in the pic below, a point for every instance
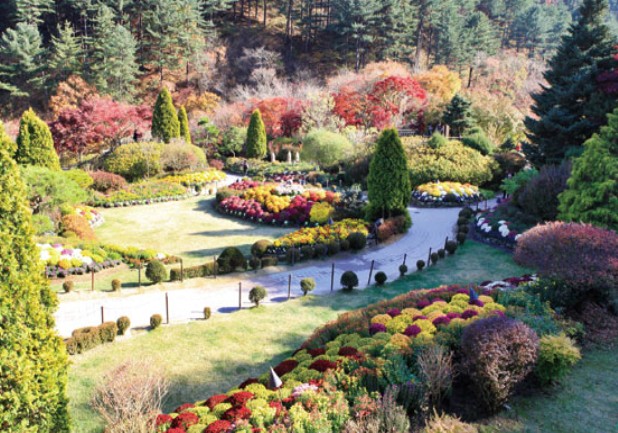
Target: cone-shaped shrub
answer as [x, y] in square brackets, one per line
[35, 145]
[183, 121]
[256, 137]
[165, 124]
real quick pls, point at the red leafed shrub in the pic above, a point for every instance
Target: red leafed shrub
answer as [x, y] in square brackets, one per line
[442, 320]
[163, 419]
[216, 163]
[581, 257]
[220, 426]
[248, 382]
[215, 400]
[278, 407]
[183, 407]
[107, 182]
[322, 365]
[185, 420]
[468, 314]
[391, 227]
[348, 351]
[497, 354]
[238, 412]
[175, 430]
[285, 367]
[281, 116]
[239, 398]
[316, 352]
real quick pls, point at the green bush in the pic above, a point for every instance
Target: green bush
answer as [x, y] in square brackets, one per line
[451, 247]
[49, 189]
[403, 269]
[441, 253]
[256, 294]
[165, 124]
[80, 177]
[108, 332]
[42, 224]
[156, 272]
[319, 250]
[380, 278]
[476, 139]
[123, 323]
[135, 161]
[155, 321]
[357, 241]
[333, 248]
[207, 313]
[116, 285]
[199, 271]
[434, 257]
[67, 286]
[231, 259]
[255, 145]
[557, 354]
[437, 141]
[179, 156]
[292, 255]
[307, 285]
[35, 144]
[349, 280]
[461, 237]
[269, 261]
[420, 264]
[258, 249]
[325, 147]
[255, 263]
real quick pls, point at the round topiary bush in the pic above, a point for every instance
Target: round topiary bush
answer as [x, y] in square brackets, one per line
[116, 285]
[257, 294]
[231, 259]
[451, 247]
[258, 249]
[349, 280]
[420, 264]
[255, 263]
[319, 250]
[333, 248]
[461, 237]
[207, 313]
[156, 272]
[357, 241]
[466, 212]
[67, 286]
[380, 278]
[123, 323]
[403, 269]
[441, 253]
[344, 244]
[155, 321]
[434, 258]
[307, 285]
[307, 252]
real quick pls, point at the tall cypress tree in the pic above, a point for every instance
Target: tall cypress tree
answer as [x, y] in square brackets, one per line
[35, 145]
[183, 120]
[571, 107]
[256, 137]
[34, 363]
[165, 125]
[388, 183]
[592, 190]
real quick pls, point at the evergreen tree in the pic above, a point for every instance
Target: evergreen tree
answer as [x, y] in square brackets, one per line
[256, 137]
[165, 125]
[34, 361]
[5, 141]
[451, 39]
[66, 53]
[571, 107]
[183, 121]
[114, 66]
[22, 70]
[388, 183]
[35, 145]
[32, 11]
[592, 190]
[458, 115]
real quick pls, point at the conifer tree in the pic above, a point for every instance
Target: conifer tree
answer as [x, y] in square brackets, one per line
[256, 137]
[34, 363]
[5, 141]
[388, 182]
[458, 115]
[35, 145]
[592, 190]
[571, 107]
[183, 120]
[66, 53]
[165, 125]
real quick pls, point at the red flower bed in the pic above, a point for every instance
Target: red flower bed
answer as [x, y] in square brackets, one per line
[244, 184]
[348, 351]
[183, 407]
[322, 365]
[316, 352]
[285, 367]
[278, 407]
[240, 398]
[163, 419]
[215, 400]
[175, 430]
[236, 413]
[185, 420]
[220, 426]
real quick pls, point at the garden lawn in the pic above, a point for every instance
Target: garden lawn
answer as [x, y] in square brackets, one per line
[205, 357]
[190, 229]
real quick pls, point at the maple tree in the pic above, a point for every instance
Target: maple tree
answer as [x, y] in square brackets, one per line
[281, 116]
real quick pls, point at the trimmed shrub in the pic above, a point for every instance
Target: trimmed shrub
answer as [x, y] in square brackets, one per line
[258, 249]
[155, 321]
[255, 145]
[437, 140]
[443, 423]
[116, 285]
[420, 264]
[199, 271]
[393, 226]
[135, 161]
[256, 294]
[179, 156]
[403, 269]
[580, 257]
[255, 263]
[357, 241]
[107, 182]
[156, 272]
[307, 252]
[461, 237]
[349, 280]
[292, 255]
[451, 247]
[333, 248]
[67, 286]
[319, 251]
[557, 354]
[539, 197]
[325, 147]
[35, 144]
[497, 354]
[123, 323]
[476, 139]
[269, 261]
[108, 332]
[441, 253]
[80, 177]
[434, 258]
[380, 278]
[231, 259]
[307, 285]
[207, 313]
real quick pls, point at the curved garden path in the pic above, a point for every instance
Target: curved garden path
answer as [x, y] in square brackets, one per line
[430, 228]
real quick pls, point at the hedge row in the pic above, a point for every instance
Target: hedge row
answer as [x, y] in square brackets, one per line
[83, 339]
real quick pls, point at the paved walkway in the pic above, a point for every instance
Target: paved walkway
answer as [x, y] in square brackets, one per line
[430, 228]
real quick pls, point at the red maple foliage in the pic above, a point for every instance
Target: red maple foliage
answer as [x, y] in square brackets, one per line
[282, 116]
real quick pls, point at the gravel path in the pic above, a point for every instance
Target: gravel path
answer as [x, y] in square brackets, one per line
[430, 228]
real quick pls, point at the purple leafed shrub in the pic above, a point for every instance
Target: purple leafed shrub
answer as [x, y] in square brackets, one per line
[374, 328]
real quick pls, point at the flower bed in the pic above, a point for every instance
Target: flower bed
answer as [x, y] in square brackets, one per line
[91, 215]
[446, 193]
[148, 192]
[498, 227]
[192, 180]
[270, 170]
[322, 235]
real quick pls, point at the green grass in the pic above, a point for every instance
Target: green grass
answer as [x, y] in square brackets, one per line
[190, 229]
[205, 357]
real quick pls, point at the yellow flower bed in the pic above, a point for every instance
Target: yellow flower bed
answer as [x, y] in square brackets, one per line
[324, 234]
[199, 178]
[441, 189]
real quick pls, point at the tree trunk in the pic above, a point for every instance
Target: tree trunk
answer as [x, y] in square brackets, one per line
[419, 42]
[470, 76]
[264, 13]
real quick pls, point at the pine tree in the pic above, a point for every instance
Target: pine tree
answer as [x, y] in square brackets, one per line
[458, 115]
[388, 182]
[165, 125]
[571, 107]
[451, 39]
[32, 11]
[34, 361]
[592, 190]
[35, 145]
[256, 137]
[66, 53]
[183, 121]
